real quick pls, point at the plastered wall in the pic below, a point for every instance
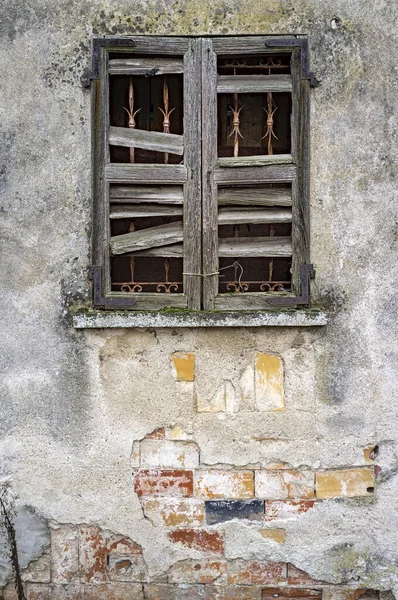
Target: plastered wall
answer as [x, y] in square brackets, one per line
[194, 463]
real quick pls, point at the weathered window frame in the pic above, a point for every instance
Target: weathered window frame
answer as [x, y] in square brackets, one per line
[202, 172]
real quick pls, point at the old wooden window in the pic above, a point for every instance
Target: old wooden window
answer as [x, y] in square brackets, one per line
[201, 172]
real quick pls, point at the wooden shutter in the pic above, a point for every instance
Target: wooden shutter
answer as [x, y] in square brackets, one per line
[252, 189]
[168, 195]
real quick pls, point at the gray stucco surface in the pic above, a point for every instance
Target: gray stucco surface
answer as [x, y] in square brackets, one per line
[73, 401]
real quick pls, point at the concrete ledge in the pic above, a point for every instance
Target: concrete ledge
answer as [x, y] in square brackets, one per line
[280, 318]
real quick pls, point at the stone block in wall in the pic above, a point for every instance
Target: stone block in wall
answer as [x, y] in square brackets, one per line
[199, 539]
[219, 511]
[175, 512]
[286, 509]
[183, 366]
[125, 561]
[344, 483]
[284, 593]
[232, 592]
[197, 572]
[275, 535]
[92, 554]
[38, 571]
[345, 593]
[167, 482]
[165, 591]
[280, 485]
[9, 592]
[39, 591]
[232, 484]
[256, 572]
[114, 591]
[269, 394]
[64, 554]
[168, 454]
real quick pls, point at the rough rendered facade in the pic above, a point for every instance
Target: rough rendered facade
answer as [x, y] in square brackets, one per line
[199, 462]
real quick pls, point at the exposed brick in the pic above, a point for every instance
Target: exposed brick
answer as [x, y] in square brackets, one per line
[184, 366]
[175, 512]
[343, 593]
[9, 592]
[276, 535]
[269, 382]
[232, 592]
[176, 433]
[370, 454]
[192, 571]
[287, 593]
[256, 572]
[70, 591]
[125, 560]
[280, 485]
[156, 482]
[345, 483]
[38, 571]
[92, 554]
[224, 484]
[114, 591]
[156, 434]
[136, 455]
[219, 511]
[64, 554]
[169, 454]
[199, 539]
[120, 544]
[38, 591]
[164, 591]
[297, 577]
[286, 509]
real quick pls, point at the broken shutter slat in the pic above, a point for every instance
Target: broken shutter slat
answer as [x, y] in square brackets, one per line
[172, 251]
[132, 212]
[146, 140]
[171, 233]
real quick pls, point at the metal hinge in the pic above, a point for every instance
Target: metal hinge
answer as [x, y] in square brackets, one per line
[99, 301]
[307, 272]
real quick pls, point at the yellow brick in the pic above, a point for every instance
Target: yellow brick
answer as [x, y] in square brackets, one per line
[346, 483]
[269, 382]
[276, 535]
[184, 366]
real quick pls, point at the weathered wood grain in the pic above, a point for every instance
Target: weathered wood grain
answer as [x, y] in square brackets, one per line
[246, 45]
[253, 84]
[136, 194]
[162, 235]
[245, 301]
[254, 196]
[236, 216]
[140, 173]
[172, 251]
[123, 211]
[255, 246]
[153, 301]
[146, 140]
[145, 66]
[267, 174]
[255, 161]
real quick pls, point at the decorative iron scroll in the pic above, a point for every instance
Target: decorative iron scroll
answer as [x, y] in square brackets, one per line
[307, 272]
[297, 43]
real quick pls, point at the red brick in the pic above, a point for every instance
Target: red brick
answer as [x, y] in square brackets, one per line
[164, 591]
[344, 593]
[288, 593]
[285, 509]
[114, 591]
[192, 571]
[199, 539]
[125, 560]
[38, 591]
[232, 592]
[224, 484]
[175, 512]
[297, 577]
[279, 485]
[92, 554]
[71, 591]
[64, 554]
[256, 572]
[167, 482]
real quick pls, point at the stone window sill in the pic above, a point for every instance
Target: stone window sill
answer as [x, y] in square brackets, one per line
[89, 319]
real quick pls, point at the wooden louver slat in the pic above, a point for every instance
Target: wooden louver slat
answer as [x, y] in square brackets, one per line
[168, 194]
[169, 251]
[254, 196]
[146, 140]
[255, 246]
[141, 173]
[251, 84]
[145, 66]
[140, 210]
[236, 216]
[161, 235]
